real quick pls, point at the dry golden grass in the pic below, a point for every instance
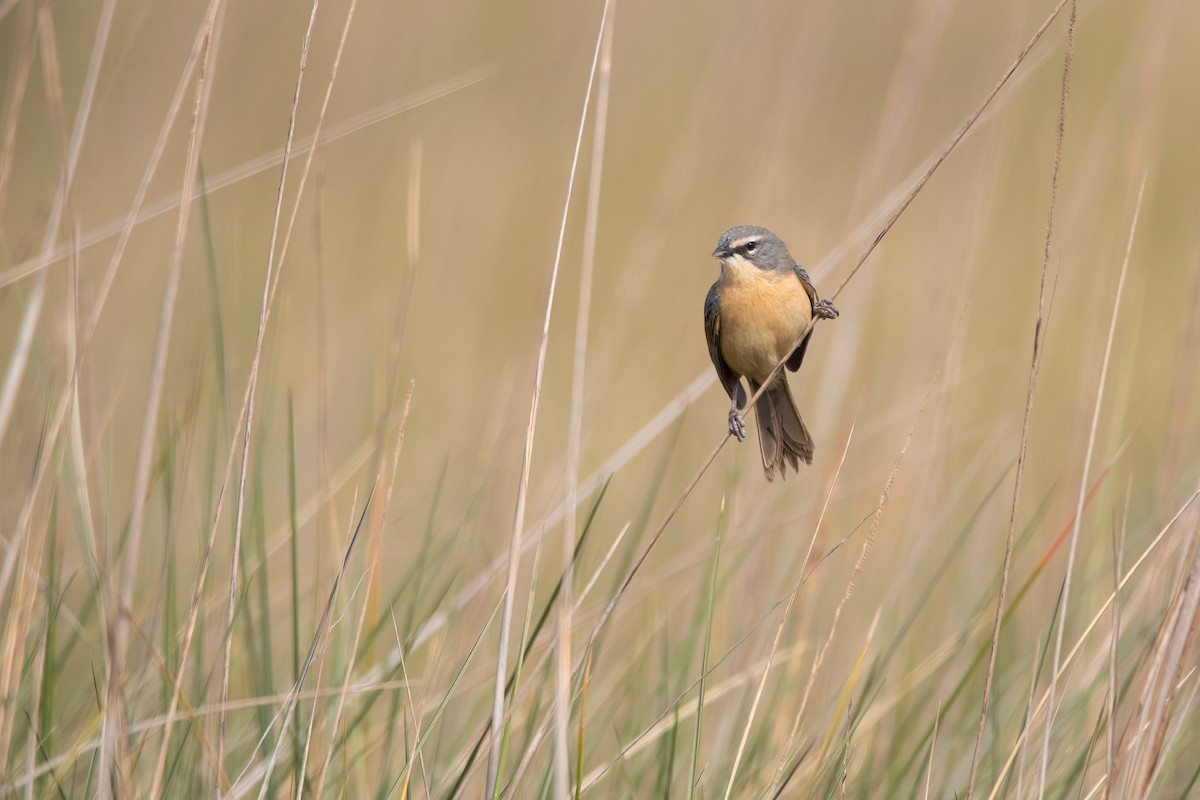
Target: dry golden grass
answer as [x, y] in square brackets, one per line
[273, 280]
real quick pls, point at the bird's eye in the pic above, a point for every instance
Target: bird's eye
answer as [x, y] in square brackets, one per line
[751, 247]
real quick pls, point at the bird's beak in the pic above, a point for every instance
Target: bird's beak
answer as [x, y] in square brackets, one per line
[722, 251]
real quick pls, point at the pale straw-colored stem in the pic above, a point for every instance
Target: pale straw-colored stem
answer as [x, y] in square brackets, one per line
[514, 550]
[562, 672]
[1035, 367]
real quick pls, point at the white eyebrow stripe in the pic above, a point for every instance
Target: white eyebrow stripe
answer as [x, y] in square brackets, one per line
[745, 240]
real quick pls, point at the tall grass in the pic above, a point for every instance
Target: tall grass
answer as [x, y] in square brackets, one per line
[281, 527]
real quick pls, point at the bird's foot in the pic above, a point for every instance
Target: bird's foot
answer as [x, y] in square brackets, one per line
[825, 310]
[737, 425]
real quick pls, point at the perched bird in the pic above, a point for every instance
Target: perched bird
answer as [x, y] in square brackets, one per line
[757, 309]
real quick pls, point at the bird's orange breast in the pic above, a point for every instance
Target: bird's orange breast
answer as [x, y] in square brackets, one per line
[762, 315]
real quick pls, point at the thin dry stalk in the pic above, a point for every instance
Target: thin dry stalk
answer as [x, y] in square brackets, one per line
[67, 398]
[865, 553]
[1087, 631]
[326, 521]
[21, 625]
[932, 744]
[786, 613]
[33, 304]
[629, 576]
[562, 673]
[194, 609]
[322, 367]
[622, 456]
[612, 549]
[249, 169]
[950, 147]
[412, 236]
[18, 614]
[272, 285]
[413, 754]
[368, 574]
[609, 607]
[1110, 728]
[1034, 368]
[1182, 409]
[196, 606]
[371, 572]
[12, 110]
[1132, 738]
[1184, 721]
[1183, 724]
[1112, 330]
[514, 550]
[321, 634]
[1020, 749]
[583, 695]
[412, 227]
[522, 644]
[1178, 633]
[123, 229]
[74, 453]
[91, 546]
[114, 723]
[1140, 722]
[69, 392]
[167, 720]
[301, 776]
[199, 712]
[316, 137]
[387, 499]
[37, 296]
[460, 760]
[909, 73]
[321, 641]
[667, 721]
[933, 664]
[252, 389]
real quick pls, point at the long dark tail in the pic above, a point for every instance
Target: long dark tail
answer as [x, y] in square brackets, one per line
[781, 433]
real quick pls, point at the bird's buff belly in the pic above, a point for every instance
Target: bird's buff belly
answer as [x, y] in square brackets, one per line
[760, 322]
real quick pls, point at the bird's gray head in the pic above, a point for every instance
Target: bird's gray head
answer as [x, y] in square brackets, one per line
[755, 245]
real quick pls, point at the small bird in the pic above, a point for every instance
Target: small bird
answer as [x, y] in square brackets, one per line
[757, 309]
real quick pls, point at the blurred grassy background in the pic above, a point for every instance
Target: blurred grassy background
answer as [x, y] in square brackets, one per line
[422, 252]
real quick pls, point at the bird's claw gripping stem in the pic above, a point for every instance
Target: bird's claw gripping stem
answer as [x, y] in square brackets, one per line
[736, 425]
[825, 310]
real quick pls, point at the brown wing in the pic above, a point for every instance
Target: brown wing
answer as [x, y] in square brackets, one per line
[797, 357]
[802, 274]
[712, 332]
